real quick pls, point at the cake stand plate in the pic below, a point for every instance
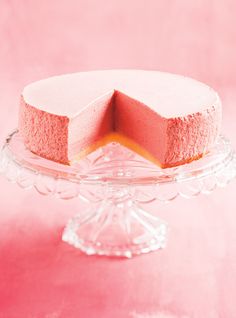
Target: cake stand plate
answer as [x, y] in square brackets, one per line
[117, 184]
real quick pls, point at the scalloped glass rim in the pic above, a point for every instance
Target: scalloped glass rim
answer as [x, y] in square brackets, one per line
[124, 167]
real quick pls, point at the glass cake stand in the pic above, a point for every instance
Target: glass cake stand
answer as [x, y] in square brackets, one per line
[117, 184]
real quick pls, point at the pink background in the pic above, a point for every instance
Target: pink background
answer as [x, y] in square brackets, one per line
[40, 276]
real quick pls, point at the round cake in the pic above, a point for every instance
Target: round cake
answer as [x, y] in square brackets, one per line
[167, 118]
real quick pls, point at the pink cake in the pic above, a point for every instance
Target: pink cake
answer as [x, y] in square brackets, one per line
[167, 118]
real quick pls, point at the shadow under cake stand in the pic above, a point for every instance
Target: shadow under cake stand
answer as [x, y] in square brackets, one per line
[117, 185]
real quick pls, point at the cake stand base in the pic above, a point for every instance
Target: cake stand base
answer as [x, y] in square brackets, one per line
[116, 226]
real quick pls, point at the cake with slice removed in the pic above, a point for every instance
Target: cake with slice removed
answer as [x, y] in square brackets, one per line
[167, 118]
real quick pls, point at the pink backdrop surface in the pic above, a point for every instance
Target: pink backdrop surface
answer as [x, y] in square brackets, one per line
[195, 276]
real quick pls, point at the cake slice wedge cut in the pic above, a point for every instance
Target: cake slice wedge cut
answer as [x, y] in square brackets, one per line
[167, 118]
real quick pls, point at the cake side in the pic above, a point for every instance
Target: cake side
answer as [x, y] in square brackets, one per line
[192, 136]
[43, 133]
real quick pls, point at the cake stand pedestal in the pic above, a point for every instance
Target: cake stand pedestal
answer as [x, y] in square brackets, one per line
[117, 184]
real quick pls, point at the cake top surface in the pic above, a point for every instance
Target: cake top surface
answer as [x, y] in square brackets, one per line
[170, 95]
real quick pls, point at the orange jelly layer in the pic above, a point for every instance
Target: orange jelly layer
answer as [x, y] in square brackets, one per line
[124, 141]
[130, 144]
